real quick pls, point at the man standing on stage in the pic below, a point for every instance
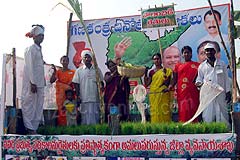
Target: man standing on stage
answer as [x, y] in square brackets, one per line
[33, 81]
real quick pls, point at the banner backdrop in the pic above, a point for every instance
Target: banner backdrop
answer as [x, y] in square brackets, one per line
[145, 146]
[193, 28]
[49, 92]
[106, 33]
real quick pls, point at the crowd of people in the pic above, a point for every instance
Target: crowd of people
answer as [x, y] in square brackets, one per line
[77, 91]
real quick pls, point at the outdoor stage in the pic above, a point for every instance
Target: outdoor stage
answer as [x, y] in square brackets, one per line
[185, 146]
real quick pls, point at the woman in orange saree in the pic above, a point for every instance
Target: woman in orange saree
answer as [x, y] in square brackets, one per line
[63, 78]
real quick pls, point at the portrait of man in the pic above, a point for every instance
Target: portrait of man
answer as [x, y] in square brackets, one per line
[200, 52]
[211, 27]
[171, 56]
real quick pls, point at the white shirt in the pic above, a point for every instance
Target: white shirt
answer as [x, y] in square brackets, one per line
[86, 78]
[33, 66]
[217, 74]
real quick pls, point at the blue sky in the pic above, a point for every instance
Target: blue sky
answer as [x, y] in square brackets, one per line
[18, 16]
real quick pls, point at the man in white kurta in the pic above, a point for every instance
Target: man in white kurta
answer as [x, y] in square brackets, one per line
[87, 91]
[33, 81]
[215, 71]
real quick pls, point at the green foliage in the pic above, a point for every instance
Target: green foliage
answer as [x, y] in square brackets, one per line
[137, 128]
[236, 15]
[76, 6]
[237, 28]
[102, 129]
[199, 128]
[126, 128]
[221, 128]
[154, 128]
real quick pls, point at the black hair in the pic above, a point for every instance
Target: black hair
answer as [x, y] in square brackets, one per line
[69, 91]
[186, 47]
[210, 13]
[108, 62]
[157, 54]
[64, 57]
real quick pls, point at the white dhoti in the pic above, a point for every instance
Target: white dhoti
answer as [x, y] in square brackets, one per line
[32, 107]
[217, 110]
[90, 113]
[33, 73]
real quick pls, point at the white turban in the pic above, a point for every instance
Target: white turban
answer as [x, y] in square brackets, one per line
[36, 30]
[84, 52]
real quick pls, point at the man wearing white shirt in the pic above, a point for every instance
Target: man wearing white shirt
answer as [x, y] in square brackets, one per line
[33, 81]
[214, 71]
[86, 87]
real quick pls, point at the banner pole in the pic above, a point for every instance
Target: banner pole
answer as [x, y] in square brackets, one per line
[12, 109]
[69, 32]
[232, 62]
[159, 38]
[2, 107]
[233, 55]
[220, 35]
[159, 42]
[234, 114]
[14, 76]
